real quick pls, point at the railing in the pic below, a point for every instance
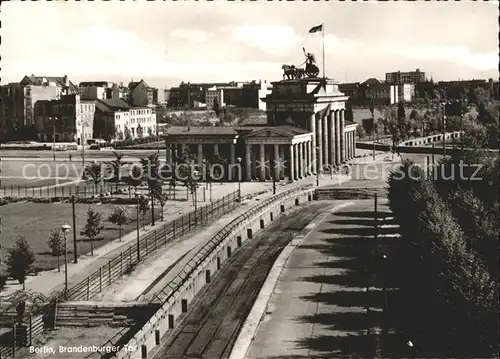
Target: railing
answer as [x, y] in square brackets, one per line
[206, 251]
[349, 193]
[125, 261]
[148, 244]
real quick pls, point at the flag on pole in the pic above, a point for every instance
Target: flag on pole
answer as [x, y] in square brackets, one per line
[316, 29]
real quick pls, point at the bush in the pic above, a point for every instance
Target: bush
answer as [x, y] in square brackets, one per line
[446, 282]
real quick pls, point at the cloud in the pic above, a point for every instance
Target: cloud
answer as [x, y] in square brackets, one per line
[192, 35]
[460, 55]
[275, 41]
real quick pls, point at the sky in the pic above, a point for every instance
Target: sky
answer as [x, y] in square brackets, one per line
[168, 42]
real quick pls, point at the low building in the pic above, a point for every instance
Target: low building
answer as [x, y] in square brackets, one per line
[382, 94]
[101, 90]
[406, 92]
[247, 95]
[116, 119]
[68, 119]
[140, 94]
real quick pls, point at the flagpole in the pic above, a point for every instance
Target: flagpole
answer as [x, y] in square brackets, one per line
[323, 38]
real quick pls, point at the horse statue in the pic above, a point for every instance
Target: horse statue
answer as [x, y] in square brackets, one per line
[311, 69]
[289, 72]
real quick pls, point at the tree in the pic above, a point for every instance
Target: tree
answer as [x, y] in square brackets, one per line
[93, 227]
[115, 167]
[56, 246]
[139, 131]
[119, 217]
[143, 208]
[135, 178]
[360, 132]
[150, 132]
[402, 120]
[162, 198]
[94, 173]
[127, 134]
[119, 136]
[151, 166]
[20, 259]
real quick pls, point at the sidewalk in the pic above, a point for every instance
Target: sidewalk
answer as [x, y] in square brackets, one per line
[179, 253]
[47, 282]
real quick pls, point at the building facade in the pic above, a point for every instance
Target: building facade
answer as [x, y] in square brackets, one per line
[140, 94]
[399, 77]
[383, 94]
[305, 133]
[116, 119]
[406, 92]
[18, 101]
[101, 90]
[68, 119]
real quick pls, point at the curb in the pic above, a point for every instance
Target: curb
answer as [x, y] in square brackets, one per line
[249, 328]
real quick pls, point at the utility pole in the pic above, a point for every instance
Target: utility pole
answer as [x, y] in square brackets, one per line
[75, 255]
[53, 137]
[137, 228]
[83, 144]
[444, 129]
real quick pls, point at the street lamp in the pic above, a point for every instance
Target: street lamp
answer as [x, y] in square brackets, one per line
[65, 229]
[239, 178]
[317, 166]
[137, 227]
[75, 255]
[53, 119]
[444, 128]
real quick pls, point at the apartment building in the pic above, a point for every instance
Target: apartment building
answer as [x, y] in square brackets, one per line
[116, 119]
[383, 94]
[140, 94]
[399, 77]
[19, 99]
[68, 119]
[102, 90]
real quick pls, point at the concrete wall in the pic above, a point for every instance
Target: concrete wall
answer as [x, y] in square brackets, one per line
[241, 229]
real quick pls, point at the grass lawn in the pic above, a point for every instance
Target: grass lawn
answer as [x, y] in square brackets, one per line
[35, 221]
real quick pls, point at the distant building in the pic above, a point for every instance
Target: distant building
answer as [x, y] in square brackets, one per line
[18, 101]
[68, 119]
[140, 94]
[406, 92]
[350, 89]
[101, 90]
[114, 118]
[159, 96]
[240, 94]
[382, 94]
[399, 77]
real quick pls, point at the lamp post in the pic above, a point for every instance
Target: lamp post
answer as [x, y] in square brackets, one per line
[53, 119]
[65, 229]
[239, 178]
[137, 226]
[317, 166]
[75, 255]
[444, 129]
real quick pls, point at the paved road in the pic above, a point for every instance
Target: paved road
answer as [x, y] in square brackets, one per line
[211, 327]
[320, 307]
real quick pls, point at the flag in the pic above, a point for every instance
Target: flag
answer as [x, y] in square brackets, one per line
[316, 29]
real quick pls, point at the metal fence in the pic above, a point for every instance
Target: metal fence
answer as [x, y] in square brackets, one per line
[168, 291]
[349, 193]
[124, 262]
